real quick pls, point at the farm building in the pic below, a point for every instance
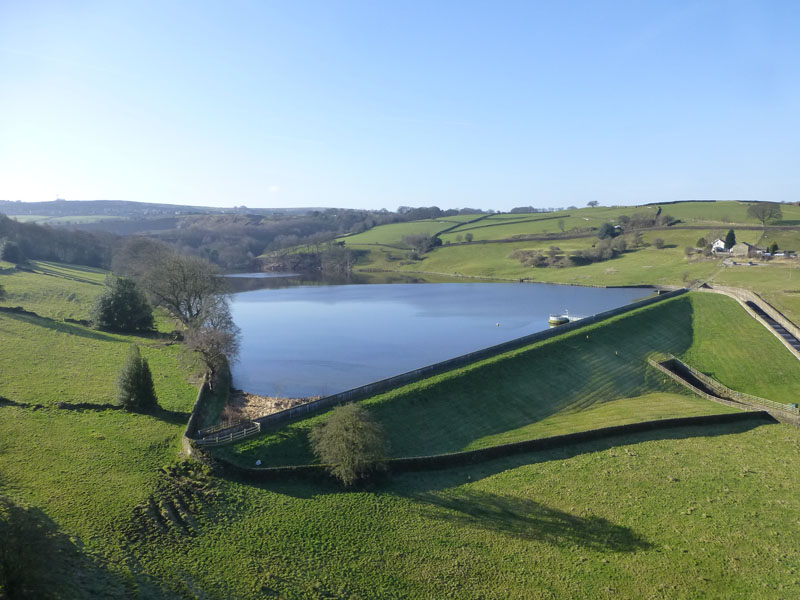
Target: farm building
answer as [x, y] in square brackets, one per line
[745, 250]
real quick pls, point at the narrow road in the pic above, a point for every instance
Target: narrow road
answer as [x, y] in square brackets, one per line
[780, 329]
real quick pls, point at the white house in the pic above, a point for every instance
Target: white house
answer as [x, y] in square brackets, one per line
[718, 246]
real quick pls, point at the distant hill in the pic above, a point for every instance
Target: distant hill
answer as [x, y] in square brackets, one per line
[128, 209]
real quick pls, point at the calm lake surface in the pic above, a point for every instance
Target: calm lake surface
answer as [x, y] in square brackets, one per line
[316, 340]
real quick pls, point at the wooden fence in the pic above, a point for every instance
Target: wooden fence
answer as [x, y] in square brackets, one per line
[206, 431]
[218, 440]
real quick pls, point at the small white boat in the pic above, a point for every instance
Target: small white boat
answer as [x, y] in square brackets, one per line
[559, 319]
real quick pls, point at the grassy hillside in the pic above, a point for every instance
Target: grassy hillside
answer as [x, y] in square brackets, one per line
[53, 290]
[558, 385]
[392, 235]
[496, 238]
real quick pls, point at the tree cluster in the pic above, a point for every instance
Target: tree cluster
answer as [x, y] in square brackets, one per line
[644, 220]
[32, 241]
[605, 249]
[192, 291]
[421, 243]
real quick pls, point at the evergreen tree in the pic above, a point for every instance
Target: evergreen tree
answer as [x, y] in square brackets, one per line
[10, 251]
[730, 239]
[135, 390]
[122, 307]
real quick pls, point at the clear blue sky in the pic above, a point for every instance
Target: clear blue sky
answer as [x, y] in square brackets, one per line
[380, 104]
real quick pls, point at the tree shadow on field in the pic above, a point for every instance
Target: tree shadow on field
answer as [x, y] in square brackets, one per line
[39, 561]
[61, 327]
[173, 417]
[529, 520]
[423, 483]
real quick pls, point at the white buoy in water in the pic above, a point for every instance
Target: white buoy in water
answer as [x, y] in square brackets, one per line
[498, 325]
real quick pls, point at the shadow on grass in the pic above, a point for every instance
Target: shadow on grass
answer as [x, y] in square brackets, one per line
[423, 482]
[173, 417]
[529, 520]
[60, 326]
[75, 406]
[39, 561]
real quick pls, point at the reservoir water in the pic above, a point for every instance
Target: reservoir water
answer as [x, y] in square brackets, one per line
[316, 340]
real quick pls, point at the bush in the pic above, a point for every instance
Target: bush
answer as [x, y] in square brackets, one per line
[606, 231]
[658, 243]
[350, 443]
[122, 307]
[135, 390]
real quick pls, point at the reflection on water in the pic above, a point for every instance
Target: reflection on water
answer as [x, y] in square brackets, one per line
[306, 338]
[246, 282]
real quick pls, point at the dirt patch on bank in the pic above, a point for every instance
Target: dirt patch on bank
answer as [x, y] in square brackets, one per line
[244, 406]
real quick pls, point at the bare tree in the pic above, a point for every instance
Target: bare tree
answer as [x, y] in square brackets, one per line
[214, 336]
[184, 285]
[766, 212]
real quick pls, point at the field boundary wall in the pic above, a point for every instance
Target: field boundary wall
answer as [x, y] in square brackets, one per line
[469, 457]
[193, 425]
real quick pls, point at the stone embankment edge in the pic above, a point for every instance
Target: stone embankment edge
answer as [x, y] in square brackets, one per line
[469, 457]
[193, 425]
[377, 387]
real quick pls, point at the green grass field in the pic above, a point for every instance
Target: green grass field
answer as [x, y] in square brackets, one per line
[70, 220]
[690, 514]
[687, 513]
[392, 235]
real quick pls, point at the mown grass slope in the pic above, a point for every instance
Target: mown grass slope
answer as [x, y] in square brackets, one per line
[511, 397]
